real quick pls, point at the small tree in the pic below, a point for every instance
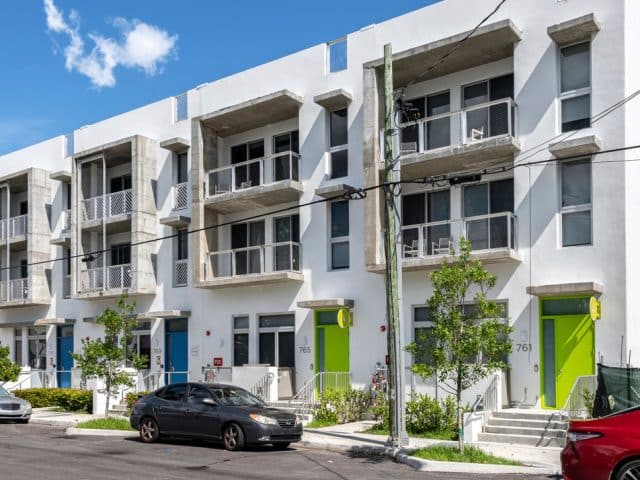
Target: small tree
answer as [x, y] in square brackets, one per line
[467, 344]
[9, 370]
[105, 357]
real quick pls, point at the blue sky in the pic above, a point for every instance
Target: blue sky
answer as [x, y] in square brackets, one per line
[148, 50]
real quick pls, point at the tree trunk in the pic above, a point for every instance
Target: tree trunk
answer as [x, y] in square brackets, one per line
[460, 412]
[107, 385]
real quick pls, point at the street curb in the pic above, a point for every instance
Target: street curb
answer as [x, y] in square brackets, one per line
[52, 423]
[94, 432]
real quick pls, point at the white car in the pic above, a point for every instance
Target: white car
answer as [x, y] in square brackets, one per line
[14, 408]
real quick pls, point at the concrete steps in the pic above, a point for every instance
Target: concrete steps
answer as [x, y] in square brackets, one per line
[119, 410]
[525, 427]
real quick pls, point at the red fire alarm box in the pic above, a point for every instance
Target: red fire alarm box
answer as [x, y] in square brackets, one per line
[217, 361]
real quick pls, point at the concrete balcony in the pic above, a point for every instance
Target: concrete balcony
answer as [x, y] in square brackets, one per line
[493, 239]
[258, 183]
[259, 265]
[479, 136]
[14, 229]
[107, 282]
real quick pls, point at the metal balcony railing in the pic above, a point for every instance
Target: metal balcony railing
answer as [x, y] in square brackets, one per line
[112, 277]
[485, 232]
[107, 206]
[17, 289]
[13, 227]
[461, 127]
[277, 257]
[181, 273]
[181, 196]
[252, 173]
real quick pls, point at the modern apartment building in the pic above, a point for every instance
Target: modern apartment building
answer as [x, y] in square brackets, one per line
[262, 278]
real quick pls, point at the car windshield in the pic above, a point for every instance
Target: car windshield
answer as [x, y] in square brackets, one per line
[4, 393]
[236, 397]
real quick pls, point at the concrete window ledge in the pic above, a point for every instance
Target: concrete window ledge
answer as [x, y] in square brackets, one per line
[560, 289]
[587, 145]
[334, 100]
[576, 30]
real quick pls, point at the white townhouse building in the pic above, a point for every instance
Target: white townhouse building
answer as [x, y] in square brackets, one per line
[248, 151]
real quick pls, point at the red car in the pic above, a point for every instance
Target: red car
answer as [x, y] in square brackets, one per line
[606, 448]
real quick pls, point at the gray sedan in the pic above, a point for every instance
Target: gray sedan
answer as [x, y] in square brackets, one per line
[14, 408]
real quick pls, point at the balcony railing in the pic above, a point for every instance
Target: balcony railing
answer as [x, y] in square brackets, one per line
[181, 196]
[485, 232]
[252, 173]
[462, 127]
[277, 257]
[17, 289]
[181, 273]
[13, 227]
[113, 277]
[66, 221]
[106, 206]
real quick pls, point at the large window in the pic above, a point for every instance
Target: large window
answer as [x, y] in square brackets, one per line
[286, 237]
[575, 208]
[140, 344]
[244, 236]
[339, 234]
[121, 254]
[488, 121]
[17, 346]
[437, 132]
[38, 348]
[486, 208]
[339, 140]
[285, 166]
[426, 216]
[575, 86]
[247, 173]
[121, 183]
[276, 340]
[240, 340]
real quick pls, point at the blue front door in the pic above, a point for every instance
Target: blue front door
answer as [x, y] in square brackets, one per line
[176, 361]
[65, 360]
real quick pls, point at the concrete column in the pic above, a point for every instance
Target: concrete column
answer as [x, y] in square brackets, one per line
[25, 346]
[38, 235]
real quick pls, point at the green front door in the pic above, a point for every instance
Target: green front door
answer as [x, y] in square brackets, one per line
[332, 348]
[568, 351]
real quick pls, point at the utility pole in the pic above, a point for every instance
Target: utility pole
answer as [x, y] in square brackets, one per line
[393, 272]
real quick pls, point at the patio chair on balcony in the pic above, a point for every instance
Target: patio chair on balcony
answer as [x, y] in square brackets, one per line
[411, 250]
[246, 184]
[442, 247]
[477, 134]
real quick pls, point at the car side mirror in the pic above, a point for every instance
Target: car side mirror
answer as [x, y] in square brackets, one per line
[209, 401]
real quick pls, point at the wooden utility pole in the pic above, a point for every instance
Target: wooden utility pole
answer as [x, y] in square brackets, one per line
[393, 272]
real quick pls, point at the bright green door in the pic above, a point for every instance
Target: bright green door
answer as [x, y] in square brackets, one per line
[568, 352]
[332, 348]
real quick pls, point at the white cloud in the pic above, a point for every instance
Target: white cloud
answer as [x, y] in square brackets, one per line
[142, 46]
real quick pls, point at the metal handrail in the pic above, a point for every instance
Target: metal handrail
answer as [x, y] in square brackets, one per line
[107, 278]
[262, 388]
[13, 227]
[480, 106]
[309, 394]
[574, 406]
[220, 267]
[109, 205]
[16, 289]
[488, 401]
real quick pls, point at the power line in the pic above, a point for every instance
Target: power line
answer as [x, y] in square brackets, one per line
[355, 194]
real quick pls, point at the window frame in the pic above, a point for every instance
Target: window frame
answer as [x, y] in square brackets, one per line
[135, 339]
[337, 148]
[240, 331]
[341, 239]
[328, 63]
[572, 94]
[569, 209]
[276, 331]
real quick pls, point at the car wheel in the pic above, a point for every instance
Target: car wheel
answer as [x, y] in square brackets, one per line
[629, 471]
[281, 446]
[149, 431]
[233, 437]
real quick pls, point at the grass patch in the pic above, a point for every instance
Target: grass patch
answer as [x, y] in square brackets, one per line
[470, 455]
[109, 423]
[436, 435]
[315, 423]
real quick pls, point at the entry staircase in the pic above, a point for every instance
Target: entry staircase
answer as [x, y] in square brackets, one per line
[539, 428]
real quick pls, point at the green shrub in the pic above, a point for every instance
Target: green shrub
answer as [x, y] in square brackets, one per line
[131, 398]
[426, 414]
[342, 406]
[380, 410]
[68, 399]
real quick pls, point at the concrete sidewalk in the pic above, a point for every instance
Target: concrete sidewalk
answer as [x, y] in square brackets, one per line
[50, 416]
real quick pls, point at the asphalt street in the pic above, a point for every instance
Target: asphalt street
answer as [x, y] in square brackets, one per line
[40, 452]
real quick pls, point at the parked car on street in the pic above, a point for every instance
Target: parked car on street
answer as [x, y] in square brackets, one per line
[213, 412]
[603, 448]
[14, 408]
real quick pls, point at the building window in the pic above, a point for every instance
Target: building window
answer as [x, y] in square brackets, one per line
[287, 247]
[24, 268]
[118, 184]
[66, 272]
[575, 206]
[339, 143]
[247, 173]
[247, 260]
[426, 218]
[24, 207]
[182, 174]
[17, 346]
[240, 341]
[481, 204]
[121, 254]
[140, 344]
[492, 120]
[38, 348]
[575, 86]
[340, 235]
[181, 107]
[337, 55]
[423, 334]
[285, 166]
[276, 340]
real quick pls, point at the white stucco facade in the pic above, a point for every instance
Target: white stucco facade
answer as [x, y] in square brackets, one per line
[536, 259]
